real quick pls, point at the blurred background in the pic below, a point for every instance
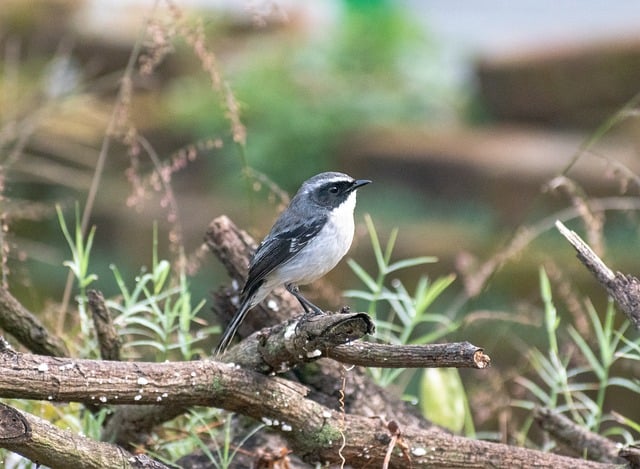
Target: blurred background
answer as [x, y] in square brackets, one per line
[480, 124]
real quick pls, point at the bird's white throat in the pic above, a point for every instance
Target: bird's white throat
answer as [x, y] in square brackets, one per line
[325, 250]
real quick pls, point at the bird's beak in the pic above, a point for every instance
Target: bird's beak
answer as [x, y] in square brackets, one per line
[359, 183]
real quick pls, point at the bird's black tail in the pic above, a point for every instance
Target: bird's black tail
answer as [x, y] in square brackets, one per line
[232, 328]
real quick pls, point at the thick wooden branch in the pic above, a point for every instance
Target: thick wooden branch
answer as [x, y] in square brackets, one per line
[38, 440]
[316, 432]
[624, 289]
[300, 340]
[27, 329]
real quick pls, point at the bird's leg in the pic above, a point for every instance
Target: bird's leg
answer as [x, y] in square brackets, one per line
[306, 304]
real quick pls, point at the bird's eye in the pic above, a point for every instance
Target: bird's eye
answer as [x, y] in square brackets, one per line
[333, 190]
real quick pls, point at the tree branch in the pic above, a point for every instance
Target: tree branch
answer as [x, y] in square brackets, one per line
[315, 432]
[38, 440]
[27, 329]
[297, 341]
[105, 329]
[308, 337]
[451, 355]
[624, 289]
[579, 439]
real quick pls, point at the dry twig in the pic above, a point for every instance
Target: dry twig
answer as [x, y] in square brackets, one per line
[624, 289]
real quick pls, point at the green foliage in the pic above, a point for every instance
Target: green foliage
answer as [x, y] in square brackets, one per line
[402, 317]
[225, 450]
[301, 98]
[203, 429]
[80, 248]
[397, 313]
[155, 317]
[360, 53]
[577, 384]
[158, 311]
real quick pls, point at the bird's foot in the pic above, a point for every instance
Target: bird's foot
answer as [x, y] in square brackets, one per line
[307, 305]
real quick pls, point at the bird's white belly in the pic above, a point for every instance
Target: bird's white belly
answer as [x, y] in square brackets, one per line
[325, 250]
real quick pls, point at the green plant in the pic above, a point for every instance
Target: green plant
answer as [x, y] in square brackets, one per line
[80, 248]
[402, 317]
[196, 429]
[225, 450]
[398, 314]
[158, 311]
[577, 384]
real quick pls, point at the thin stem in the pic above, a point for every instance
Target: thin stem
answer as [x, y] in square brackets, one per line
[102, 158]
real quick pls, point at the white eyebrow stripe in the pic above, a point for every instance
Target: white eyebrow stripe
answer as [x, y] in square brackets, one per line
[331, 180]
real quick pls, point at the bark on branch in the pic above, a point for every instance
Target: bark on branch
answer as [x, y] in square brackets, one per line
[316, 432]
[624, 289]
[47, 444]
[306, 338]
[450, 355]
[580, 440]
[106, 332]
[28, 329]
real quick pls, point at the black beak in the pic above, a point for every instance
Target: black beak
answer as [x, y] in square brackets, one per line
[359, 183]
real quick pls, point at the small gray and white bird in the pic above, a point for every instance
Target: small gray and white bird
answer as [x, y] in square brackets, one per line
[307, 240]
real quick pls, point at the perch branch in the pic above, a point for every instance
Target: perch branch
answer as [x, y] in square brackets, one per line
[300, 340]
[306, 338]
[315, 432]
[624, 289]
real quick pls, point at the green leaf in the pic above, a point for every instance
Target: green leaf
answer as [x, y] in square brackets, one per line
[160, 274]
[362, 275]
[406, 263]
[375, 242]
[586, 351]
[534, 389]
[430, 293]
[442, 398]
[361, 295]
[625, 383]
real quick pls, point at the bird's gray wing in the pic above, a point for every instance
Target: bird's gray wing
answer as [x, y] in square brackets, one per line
[283, 243]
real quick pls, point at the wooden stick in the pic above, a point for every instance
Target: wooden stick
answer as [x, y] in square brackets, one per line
[624, 289]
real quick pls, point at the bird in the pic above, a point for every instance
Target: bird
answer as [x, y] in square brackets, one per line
[306, 241]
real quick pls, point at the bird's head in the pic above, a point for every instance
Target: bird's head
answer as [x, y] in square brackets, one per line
[330, 190]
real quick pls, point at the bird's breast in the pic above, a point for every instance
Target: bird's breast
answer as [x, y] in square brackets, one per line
[324, 251]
